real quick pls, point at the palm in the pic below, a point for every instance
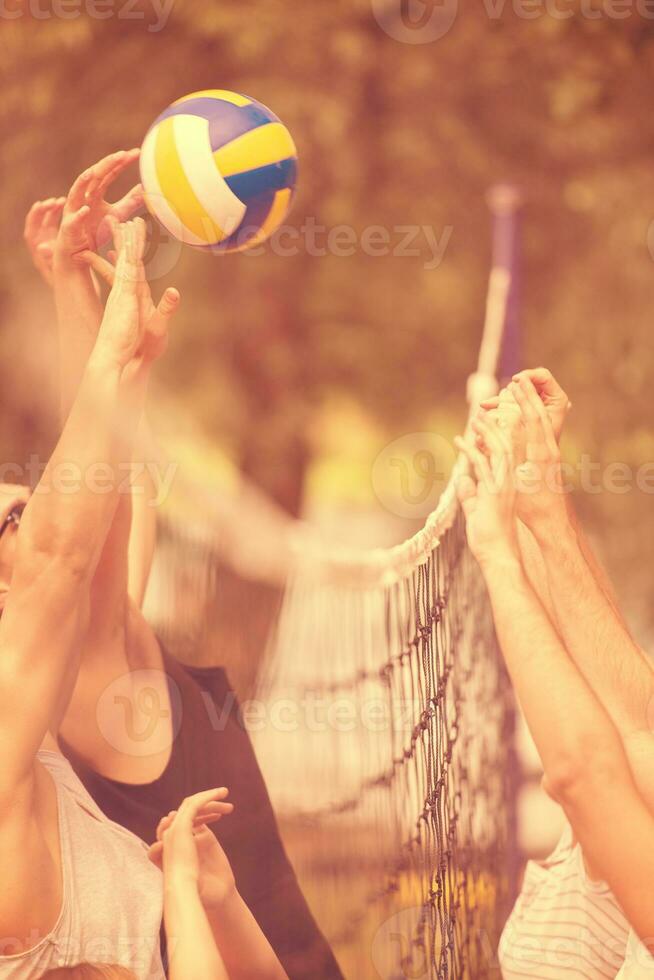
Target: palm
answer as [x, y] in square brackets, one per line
[488, 519]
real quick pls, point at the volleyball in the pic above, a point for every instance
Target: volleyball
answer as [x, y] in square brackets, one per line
[218, 170]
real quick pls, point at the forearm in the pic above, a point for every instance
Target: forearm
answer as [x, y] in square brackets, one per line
[143, 535]
[565, 719]
[537, 572]
[192, 951]
[60, 538]
[594, 635]
[595, 566]
[127, 557]
[533, 564]
[244, 949]
[616, 831]
[79, 313]
[75, 500]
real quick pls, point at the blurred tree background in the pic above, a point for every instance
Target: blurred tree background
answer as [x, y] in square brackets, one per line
[280, 359]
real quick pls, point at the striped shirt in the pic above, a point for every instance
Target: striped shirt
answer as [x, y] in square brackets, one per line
[564, 925]
[638, 965]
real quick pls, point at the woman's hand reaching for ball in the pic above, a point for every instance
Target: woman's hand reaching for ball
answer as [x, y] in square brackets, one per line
[154, 319]
[133, 332]
[40, 234]
[85, 223]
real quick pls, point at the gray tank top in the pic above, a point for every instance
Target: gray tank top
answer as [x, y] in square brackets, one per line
[112, 895]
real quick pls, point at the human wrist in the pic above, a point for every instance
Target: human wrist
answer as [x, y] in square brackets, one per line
[63, 258]
[103, 366]
[227, 902]
[180, 886]
[501, 557]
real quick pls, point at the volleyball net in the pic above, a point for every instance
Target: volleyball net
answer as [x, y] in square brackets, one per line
[382, 718]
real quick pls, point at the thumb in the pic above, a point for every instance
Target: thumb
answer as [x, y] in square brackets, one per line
[168, 306]
[169, 302]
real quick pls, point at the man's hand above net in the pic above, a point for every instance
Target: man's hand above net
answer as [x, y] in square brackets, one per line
[556, 402]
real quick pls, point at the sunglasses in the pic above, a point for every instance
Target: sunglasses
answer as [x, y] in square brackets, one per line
[13, 517]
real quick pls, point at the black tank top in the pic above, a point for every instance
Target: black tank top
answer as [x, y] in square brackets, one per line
[212, 748]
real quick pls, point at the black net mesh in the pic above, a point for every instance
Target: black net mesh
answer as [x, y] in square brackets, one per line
[385, 731]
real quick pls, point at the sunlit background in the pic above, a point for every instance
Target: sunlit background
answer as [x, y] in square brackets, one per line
[298, 371]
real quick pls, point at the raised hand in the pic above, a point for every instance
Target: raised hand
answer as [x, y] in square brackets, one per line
[488, 494]
[40, 233]
[154, 318]
[556, 402]
[84, 224]
[131, 334]
[187, 850]
[540, 482]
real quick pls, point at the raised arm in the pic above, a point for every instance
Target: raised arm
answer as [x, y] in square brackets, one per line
[65, 524]
[582, 753]
[207, 921]
[506, 411]
[584, 607]
[55, 251]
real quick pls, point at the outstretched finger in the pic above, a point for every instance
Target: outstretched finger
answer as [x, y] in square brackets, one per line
[542, 379]
[548, 388]
[539, 424]
[530, 416]
[193, 805]
[103, 268]
[169, 303]
[124, 267]
[74, 222]
[77, 193]
[107, 176]
[493, 437]
[478, 462]
[52, 216]
[34, 219]
[116, 229]
[208, 814]
[140, 233]
[129, 204]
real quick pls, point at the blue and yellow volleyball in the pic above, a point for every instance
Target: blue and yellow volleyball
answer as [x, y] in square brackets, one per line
[219, 170]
